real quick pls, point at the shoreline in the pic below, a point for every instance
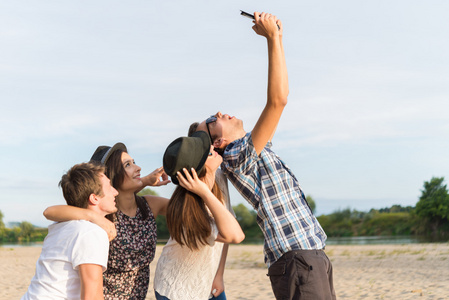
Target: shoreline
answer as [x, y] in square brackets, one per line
[406, 271]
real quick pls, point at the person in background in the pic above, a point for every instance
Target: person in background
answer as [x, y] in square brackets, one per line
[132, 251]
[294, 240]
[75, 253]
[199, 220]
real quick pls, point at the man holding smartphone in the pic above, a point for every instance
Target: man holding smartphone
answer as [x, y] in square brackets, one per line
[294, 240]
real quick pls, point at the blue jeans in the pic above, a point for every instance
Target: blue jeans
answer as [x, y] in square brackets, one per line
[222, 296]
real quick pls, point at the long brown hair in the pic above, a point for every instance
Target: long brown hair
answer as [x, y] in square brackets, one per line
[188, 219]
[116, 174]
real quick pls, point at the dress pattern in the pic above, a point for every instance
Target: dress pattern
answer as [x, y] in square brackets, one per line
[130, 254]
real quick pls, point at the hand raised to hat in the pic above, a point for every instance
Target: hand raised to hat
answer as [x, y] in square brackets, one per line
[192, 184]
[156, 178]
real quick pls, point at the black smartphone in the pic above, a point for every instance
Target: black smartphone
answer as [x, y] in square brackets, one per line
[245, 14]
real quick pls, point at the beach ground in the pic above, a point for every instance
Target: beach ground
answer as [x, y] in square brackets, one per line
[411, 271]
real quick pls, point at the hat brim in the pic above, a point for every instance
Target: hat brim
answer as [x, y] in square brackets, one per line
[101, 155]
[206, 149]
[117, 146]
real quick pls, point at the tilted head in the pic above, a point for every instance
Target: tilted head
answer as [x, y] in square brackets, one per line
[222, 129]
[186, 152]
[187, 217]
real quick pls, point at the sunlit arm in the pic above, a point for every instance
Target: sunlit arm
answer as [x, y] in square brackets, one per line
[91, 277]
[229, 230]
[278, 89]
[218, 283]
[64, 213]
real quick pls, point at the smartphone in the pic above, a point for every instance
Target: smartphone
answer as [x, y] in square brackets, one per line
[245, 14]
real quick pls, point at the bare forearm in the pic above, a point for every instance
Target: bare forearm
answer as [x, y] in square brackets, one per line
[277, 73]
[224, 255]
[227, 225]
[62, 213]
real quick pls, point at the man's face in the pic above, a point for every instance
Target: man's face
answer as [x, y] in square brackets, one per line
[221, 128]
[107, 201]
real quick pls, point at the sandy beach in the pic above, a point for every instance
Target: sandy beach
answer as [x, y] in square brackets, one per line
[412, 271]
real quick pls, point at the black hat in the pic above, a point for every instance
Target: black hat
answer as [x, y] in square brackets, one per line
[102, 154]
[186, 152]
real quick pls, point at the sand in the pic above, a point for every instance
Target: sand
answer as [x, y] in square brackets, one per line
[413, 271]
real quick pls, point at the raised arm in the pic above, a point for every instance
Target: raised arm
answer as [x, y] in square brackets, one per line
[229, 230]
[155, 178]
[63, 213]
[267, 25]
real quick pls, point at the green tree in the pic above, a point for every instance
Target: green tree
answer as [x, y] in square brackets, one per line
[433, 205]
[2, 228]
[147, 191]
[26, 230]
[311, 202]
[244, 216]
[2, 225]
[161, 222]
[248, 221]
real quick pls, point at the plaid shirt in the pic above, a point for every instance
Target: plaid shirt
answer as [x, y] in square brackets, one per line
[270, 187]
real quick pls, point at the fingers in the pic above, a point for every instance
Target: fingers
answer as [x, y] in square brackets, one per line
[217, 291]
[163, 182]
[186, 179]
[195, 176]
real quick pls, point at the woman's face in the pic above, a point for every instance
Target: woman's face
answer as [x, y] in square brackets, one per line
[213, 160]
[132, 179]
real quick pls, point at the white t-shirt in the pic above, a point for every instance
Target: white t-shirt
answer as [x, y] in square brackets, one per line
[67, 245]
[182, 274]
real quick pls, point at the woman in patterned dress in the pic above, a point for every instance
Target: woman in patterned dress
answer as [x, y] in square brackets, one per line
[130, 253]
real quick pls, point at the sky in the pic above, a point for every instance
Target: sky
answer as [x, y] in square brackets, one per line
[367, 117]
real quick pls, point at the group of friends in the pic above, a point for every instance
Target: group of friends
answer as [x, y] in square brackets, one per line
[102, 243]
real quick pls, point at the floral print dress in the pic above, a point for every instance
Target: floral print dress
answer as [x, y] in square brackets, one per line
[130, 254]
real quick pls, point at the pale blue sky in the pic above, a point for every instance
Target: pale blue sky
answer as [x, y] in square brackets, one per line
[367, 121]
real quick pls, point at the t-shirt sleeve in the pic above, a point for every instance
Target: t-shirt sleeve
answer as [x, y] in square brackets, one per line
[91, 247]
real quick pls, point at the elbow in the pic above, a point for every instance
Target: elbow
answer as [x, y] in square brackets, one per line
[237, 238]
[280, 102]
[45, 213]
[284, 99]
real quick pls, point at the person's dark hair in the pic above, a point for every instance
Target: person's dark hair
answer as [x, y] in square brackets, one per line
[80, 182]
[193, 128]
[188, 219]
[116, 173]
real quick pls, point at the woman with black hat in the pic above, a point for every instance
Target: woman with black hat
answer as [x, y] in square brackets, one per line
[198, 220]
[130, 253]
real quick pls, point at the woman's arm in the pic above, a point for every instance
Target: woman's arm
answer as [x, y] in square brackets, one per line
[155, 178]
[158, 205]
[218, 283]
[63, 213]
[229, 230]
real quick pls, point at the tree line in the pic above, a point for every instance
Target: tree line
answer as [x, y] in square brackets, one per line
[430, 217]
